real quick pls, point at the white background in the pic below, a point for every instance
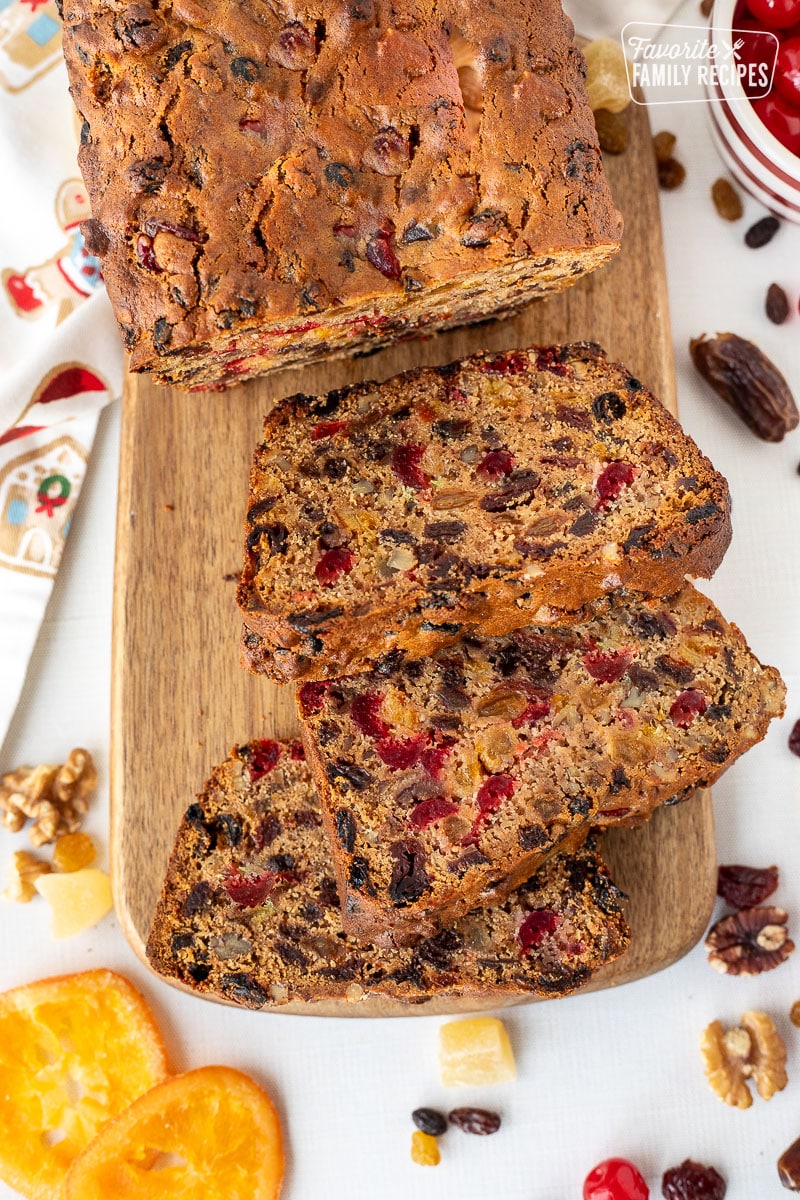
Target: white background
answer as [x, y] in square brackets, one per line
[617, 1073]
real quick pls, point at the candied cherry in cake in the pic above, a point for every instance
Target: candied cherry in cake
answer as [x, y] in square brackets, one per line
[612, 482]
[264, 758]
[333, 564]
[776, 14]
[615, 1179]
[787, 72]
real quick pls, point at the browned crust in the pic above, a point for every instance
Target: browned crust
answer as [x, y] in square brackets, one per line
[345, 643]
[263, 129]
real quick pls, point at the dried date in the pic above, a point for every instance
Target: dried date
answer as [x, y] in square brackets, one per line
[748, 382]
[744, 887]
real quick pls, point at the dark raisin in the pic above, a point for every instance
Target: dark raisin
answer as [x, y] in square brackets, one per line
[85, 133]
[581, 160]
[246, 69]
[340, 174]
[416, 233]
[482, 227]
[198, 900]
[346, 829]
[147, 174]
[443, 627]
[675, 668]
[438, 951]
[450, 429]
[519, 489]
[266, 831]
[584, 525]
[409, 877]
[619, 780]
[641, 678]
[608, 407]
[335, 468]
[638, 536]
[355, 777]
[331, 536]
[327, 893]
[719, 712]
[230, 827]
[649, 625]
[175, 53]
[580, 805]
[475, 1120]
[777, 304]
[138, 28]
[429, 1121]
[671, 174]
[242, 988]
[181, 941]
[745, 887]
[531, 837]
[277, 536]
[199, 972]
[359, 876]
[693, 1181]
[305, 622]
[445, 531]
[162, 335]
[762, 232]
[701, 513]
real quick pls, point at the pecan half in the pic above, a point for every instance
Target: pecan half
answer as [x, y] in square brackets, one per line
[749, 942]
[748, 382]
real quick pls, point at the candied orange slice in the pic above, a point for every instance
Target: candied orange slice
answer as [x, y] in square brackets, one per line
[74, 1051]
[211, 1134]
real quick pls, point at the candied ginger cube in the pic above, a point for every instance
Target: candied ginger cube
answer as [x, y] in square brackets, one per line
[475, 1052]
[79, 899]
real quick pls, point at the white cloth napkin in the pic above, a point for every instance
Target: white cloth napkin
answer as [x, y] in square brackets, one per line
[60, 354]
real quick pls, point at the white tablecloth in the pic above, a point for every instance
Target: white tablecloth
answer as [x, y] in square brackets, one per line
[617, 1073]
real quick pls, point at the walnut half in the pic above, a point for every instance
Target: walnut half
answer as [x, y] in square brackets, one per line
[731, 1057]
[54, 798]
[23, 871]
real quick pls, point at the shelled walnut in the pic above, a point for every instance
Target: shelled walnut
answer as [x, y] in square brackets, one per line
[23, 871]
[754, 1050]
[53, 797]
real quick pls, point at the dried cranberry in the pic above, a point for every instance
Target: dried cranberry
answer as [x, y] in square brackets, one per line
[536, 926]
[381, 255]
[548, 359]
[689, 704]
[505, 364]
[492, 792]
[405, 464]
[744, 887]
[615, 1179]
[612, 481]
[333, 564]
[496, 463]
[297, 752]
[400, 755]
[794, 739]
[428, 811]
[264, 758]
[433, 759]
[693, 1181]
[364, 713]
[145, 255]
[536, 709]
[312, 697]
[607, 667]
[248, 891]
[327, 429]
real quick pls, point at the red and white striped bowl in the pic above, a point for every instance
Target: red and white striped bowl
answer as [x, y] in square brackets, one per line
[761, 164]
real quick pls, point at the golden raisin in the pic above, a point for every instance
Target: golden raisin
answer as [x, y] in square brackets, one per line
[424, 1149]
[726, 199]
[794, 1013]
[74, 851]
[663, 145]
[671, 174]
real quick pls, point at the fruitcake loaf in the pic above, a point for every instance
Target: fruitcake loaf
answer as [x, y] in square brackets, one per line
[445, 781]
[249, 911]
[273, 184]
[480, 495]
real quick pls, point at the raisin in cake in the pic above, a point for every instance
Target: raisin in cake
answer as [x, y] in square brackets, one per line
[273, 184]
[446, 781]
[249, 912]
[401, 515]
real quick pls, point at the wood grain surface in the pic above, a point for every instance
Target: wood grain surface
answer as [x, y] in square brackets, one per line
[180, 699]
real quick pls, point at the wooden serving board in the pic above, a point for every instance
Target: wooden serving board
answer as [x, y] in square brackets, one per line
[180, 699]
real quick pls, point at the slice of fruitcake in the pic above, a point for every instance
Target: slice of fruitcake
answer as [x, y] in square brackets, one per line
[478, 496]
[447, 780]
[249, 911]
